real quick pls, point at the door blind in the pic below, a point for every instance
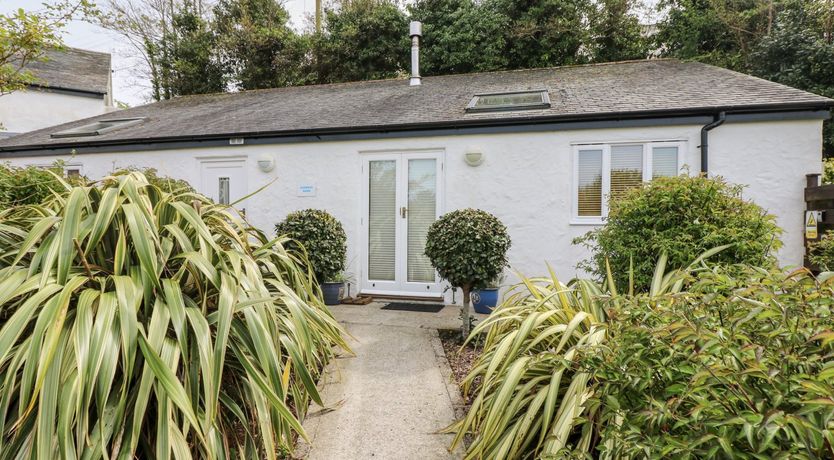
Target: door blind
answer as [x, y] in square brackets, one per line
[422, 211]
[626, 169]
[590, 183]
[382, 214]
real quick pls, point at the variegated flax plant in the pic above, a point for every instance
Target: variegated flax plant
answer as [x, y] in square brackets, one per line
[531, 396]
[138, 323]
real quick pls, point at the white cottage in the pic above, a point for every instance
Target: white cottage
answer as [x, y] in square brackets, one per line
[388, 157]
[70, 84]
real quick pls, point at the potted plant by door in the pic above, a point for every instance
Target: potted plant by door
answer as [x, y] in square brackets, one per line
[484, 300]
[318, 237]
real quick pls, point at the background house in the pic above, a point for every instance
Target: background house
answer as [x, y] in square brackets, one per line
[542, 149]
[72, 84]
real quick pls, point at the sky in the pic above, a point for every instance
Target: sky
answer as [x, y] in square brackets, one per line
[127, 88]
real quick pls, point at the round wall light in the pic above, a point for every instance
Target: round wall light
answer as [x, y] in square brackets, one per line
[473, 157]
[266, 163]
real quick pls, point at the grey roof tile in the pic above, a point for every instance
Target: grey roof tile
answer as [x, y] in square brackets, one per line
[592, 91]
[73, 69]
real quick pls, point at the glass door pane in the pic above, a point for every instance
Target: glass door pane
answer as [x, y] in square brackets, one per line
[421, 213]
[382, 223]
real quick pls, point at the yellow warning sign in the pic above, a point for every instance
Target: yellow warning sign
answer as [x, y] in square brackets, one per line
[811, 220]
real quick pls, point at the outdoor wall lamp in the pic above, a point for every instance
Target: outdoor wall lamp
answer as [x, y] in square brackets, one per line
[266, 163]
[473, 157]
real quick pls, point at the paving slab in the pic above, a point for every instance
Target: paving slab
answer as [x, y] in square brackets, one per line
[392, 398]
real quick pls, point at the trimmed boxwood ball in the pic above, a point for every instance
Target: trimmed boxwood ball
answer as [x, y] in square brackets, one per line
[322, 237]
[682, 217]
[468, 248]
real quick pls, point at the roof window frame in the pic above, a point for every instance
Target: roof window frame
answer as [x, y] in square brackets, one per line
[88, 131]
[544, 104]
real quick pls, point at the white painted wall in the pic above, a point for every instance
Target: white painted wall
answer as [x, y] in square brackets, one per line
[526, 179]
[28, 110]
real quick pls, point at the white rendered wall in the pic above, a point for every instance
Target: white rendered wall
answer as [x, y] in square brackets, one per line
[526, 179]
[32, 109]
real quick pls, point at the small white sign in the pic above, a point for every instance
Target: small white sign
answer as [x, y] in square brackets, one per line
[812, 219]
[306, 190]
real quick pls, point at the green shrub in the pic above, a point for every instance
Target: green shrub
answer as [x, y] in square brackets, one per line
[468, 248]
[682, 217]
[136, 324]
[29, 185]
[739, 366]
[711, 363]
[821, 252]
[828, 171]
[319, 235]
[164, 183]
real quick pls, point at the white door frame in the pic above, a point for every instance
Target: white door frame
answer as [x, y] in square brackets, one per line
[400, 286]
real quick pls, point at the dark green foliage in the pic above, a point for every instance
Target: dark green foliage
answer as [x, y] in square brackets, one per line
[362, 40]
[736, 366]
[615, 32]
[321, 236]
[257, 46]
[460, 36]
[822, 252]
[191, 62]
[544, 33]
[29, 185]
[468, 247]
[683, 217]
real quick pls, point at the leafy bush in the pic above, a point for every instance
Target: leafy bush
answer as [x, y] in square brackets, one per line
[828, 171]
[29, 185]
[737, 367]
[136, 325]
[821, 252]
[710, 363]
[319, 235]
[468, 248]
[164, 183]
[681, 217]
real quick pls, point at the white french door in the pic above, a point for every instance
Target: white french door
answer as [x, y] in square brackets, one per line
[402, 198]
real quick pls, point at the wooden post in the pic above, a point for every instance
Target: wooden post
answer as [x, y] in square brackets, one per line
[812, 180]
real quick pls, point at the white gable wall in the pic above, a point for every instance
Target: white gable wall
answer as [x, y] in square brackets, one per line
[526, 179]
[32, 109]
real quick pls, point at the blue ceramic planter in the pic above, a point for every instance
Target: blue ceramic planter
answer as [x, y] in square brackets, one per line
[331, 293]
[484, 300]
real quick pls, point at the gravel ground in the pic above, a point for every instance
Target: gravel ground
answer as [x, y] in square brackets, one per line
[460, 360]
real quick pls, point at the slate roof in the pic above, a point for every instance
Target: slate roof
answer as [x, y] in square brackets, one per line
[622, 90]
[73, 69]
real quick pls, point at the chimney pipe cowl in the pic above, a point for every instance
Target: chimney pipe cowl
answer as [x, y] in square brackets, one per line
[415, 30]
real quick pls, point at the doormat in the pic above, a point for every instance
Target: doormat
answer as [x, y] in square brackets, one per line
[411, 306]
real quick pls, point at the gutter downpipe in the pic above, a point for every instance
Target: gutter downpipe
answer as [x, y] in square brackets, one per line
[719, 120]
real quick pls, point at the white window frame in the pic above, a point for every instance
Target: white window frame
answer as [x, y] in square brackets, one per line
[648, 147]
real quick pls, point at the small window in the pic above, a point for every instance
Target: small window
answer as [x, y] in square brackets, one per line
[73, 173]
[522, 100]
[98, 127]
[607, 172]
[223, 190]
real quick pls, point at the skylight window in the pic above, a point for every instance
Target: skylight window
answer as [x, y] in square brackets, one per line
[98, 127]
[521, 100]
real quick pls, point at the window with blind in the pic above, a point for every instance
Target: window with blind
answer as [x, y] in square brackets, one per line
[382, 214]
[606, 172]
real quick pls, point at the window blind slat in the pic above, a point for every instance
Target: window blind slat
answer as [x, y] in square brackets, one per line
[626, 169]
[664, 162]
[382, 214]
[590, 183]
[422, 211]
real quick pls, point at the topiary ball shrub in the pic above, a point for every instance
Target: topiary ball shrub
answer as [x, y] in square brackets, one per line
[468, 248]
[321, 236]
[682, 217]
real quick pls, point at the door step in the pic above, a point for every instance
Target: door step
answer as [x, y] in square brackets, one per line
[411, 298]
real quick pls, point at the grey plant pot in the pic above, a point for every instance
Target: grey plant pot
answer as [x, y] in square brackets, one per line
[332, 293]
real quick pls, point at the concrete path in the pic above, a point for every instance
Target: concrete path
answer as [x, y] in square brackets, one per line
[390, 400]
